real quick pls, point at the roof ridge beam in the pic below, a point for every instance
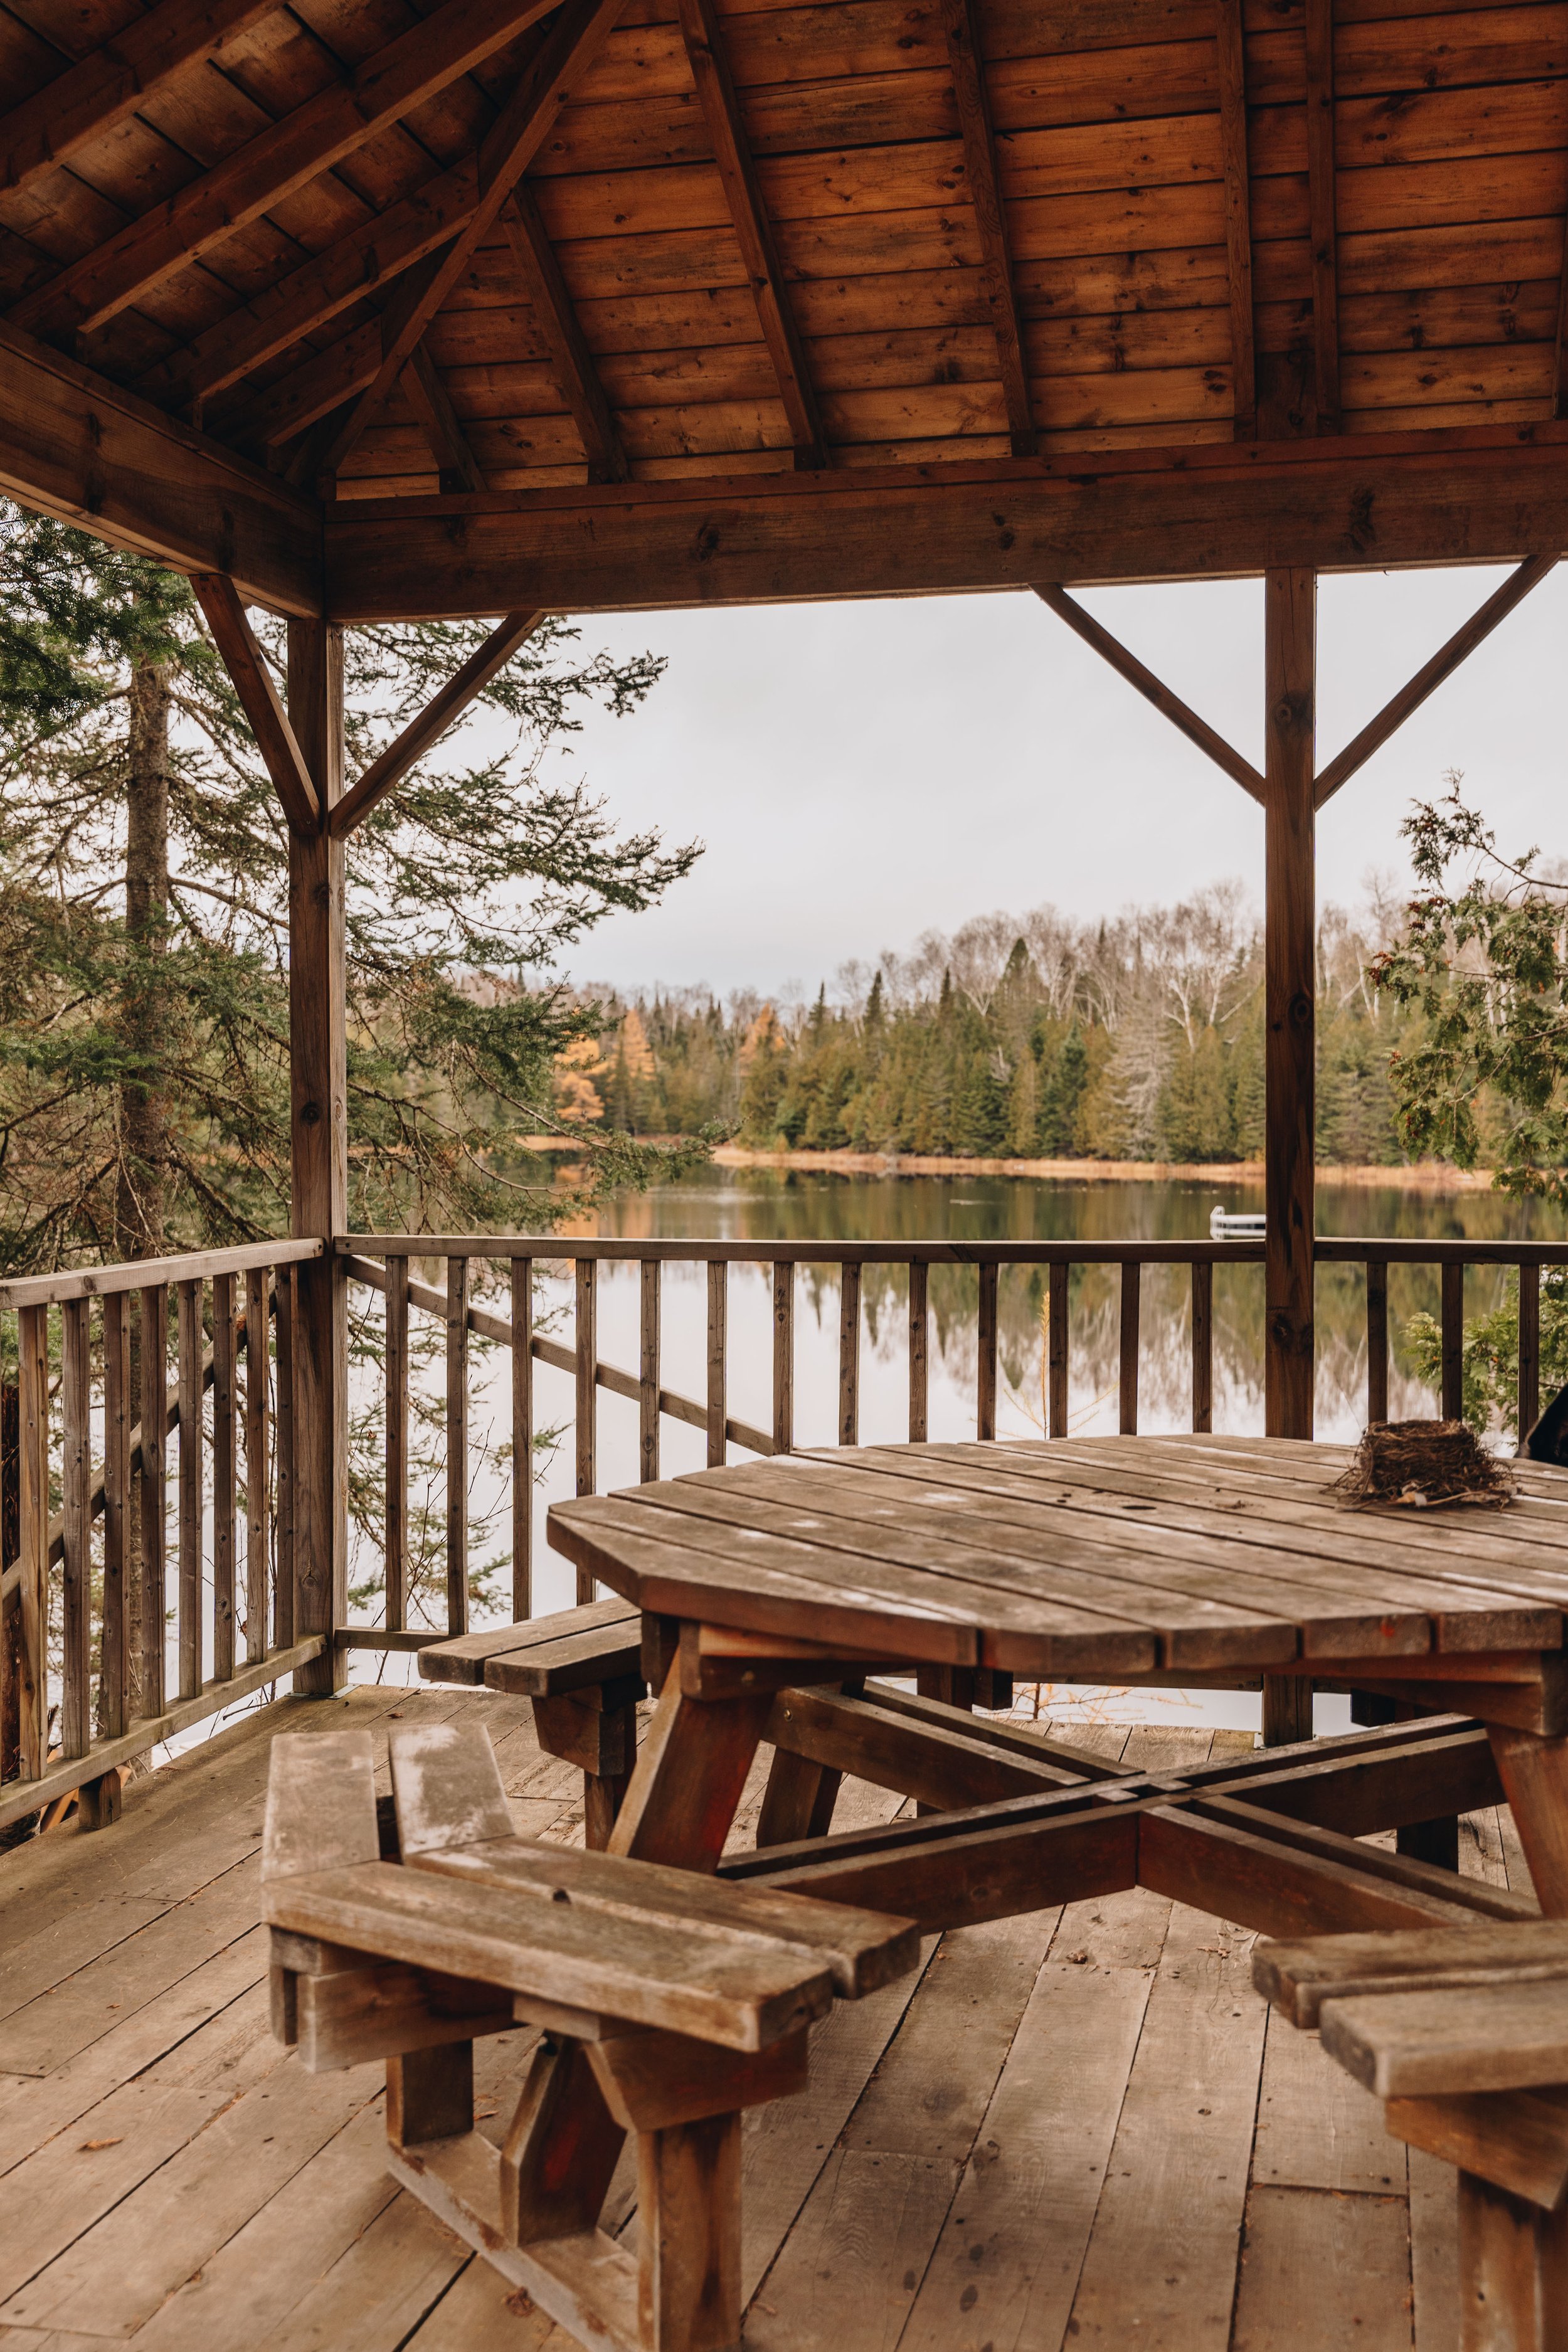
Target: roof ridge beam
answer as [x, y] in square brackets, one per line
[520, 131]
[296, 149]
[1320, 203]
[742, 195]
[1431, 675]
[442, 711]
[1153, 690]
[553, 308]
[102, 88]
[246, 665]
[1237, 176]
[979, 137]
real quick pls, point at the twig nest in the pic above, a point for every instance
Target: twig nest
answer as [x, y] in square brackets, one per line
[1418, 1465]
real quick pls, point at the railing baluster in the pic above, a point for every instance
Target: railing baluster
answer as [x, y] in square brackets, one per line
[784, 1356]
[456, 1446]
[1453, 1339]
[647, 1381]
[587, 1335]
[849, 1353]
[283, 1425]
[152, 1497]
[1057, 1349]
[258, 1351]
[1528, 1348]
[396, 1508]
[985, 1398]
[1203, 1346]
[1132, 1288]
[76, 1407]
[521, 1438]
[919, 1349]
[718, 1349]
[114, 1654]
[33, 1434]
[1378, 1339]
[223, 1477]
[190, 1552]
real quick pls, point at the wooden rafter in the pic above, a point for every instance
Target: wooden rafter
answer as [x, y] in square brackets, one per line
[743, 196]
[1238, 212]
[92, 96]
[247, 666]
[1430, 676]
[1153, 690]
[429, 398]
[979, 137]
[285, 156]
[574, 41]
[1320, 199]
[319, 383]
[572, 360]
[442, 711]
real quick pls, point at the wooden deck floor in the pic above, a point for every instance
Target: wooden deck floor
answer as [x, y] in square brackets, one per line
[1079, 2127]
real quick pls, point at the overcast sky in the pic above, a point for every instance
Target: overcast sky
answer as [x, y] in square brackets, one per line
[863, 772]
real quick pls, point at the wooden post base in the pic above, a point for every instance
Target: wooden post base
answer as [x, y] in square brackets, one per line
[1513, 2272]
[99, 1802]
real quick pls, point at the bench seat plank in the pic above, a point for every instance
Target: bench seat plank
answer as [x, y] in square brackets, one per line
[1411, 2044]
[1297, 1977]
[744, 1995]
[570, 1650]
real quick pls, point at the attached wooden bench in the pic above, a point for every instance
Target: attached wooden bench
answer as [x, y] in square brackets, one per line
[668, 2002]
[582, 1670]
[1463, 2033]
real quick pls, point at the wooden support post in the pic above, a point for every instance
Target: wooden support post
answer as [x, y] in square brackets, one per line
[1289, 998]
[33, 1433]
[283, 1580]
[985, 1396]
[430, 2094]
[784, 1356]
[150, 1490]
[1377, 1339]
[395, 1535]
[1203, 1347]
[189, 1611]
[919, 1349]
[587, 1337]
[223, 1477]
[1286, 1709]
[1534, 1775]
[116, 1650]
[689, 2236]
[1528, 1349]
[648, 1383]
[718, 1346]
[1453, 1341]
[1132, 1288]
[318, 1486]
[76, 1406]
[456, 1446]
[1056, 1351]
[1513, 2271]
[257, 1480]
[848, 1355]
[521, 1438]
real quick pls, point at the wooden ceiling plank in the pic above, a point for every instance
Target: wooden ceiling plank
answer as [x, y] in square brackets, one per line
[442, 711]
[1237, 213]
[290, 153]
[759, 254]
[427, 396]
[1153, 690]
[575, 40]
[242, 657]
[1322, 209]
[985, 194]
[102, 89]
[1430, 676]
[573, 362]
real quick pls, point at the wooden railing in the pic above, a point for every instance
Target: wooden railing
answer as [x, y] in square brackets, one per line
[76, 1338]
[382, 1262]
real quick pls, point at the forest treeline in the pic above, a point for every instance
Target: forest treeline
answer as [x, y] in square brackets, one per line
[1032, 1037]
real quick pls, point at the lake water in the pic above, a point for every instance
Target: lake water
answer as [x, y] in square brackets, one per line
[741, 1204]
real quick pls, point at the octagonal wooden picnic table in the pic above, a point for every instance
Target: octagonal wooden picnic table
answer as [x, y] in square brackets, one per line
[772, 1590]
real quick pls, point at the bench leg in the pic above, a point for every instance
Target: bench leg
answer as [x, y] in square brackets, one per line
[603, 1794]
[560, 2149]
[1513, 2272]
[1286, 1709]
[1435, 1841]
[799, 1799]
[1534, 1774]
[430, 2094]
[688, 2217]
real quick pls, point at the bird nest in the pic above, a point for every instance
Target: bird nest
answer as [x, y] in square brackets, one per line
[1417, 1465]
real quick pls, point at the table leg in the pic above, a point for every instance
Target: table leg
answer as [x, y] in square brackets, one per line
[1534, 1774]
[690, 1770]
[1513, 2272]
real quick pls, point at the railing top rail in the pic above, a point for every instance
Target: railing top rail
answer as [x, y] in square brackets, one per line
[1329, 1249]
[143, 1274]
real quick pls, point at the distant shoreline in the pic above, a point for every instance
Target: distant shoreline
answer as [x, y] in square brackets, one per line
[1426, 1176]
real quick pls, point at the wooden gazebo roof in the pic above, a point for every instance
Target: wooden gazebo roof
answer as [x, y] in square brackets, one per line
[656, 301]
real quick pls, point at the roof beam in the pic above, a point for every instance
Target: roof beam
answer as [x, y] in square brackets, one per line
[569, 356]
[442, 711]
[1430, 676]
[247, 666]
[289, 153]
[427, 396]
[1197, 511]
[743, 196]
[75, 446]
[1153, 690]
[573, 42]
[104, 88]
[985, 194]
[1238, 178]
[1320, 201]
